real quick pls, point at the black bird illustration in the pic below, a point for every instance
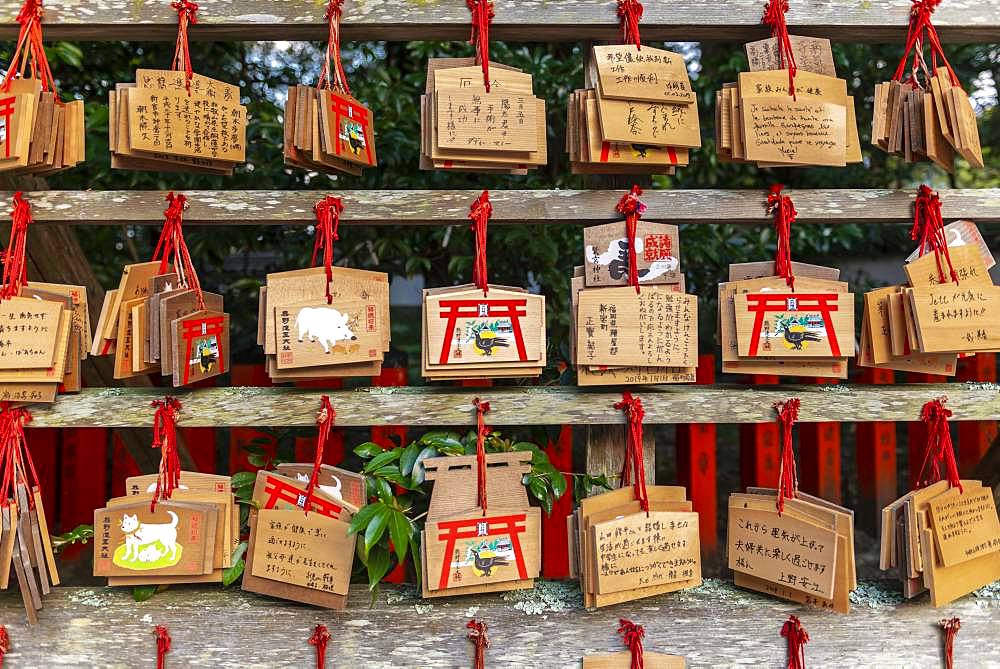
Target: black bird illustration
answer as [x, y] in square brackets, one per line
[487, 564]
[798, 337]
[207, 358]
[485, 341]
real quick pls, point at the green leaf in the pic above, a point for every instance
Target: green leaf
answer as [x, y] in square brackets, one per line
[141, 593]
[79, 534]
[409, 458]
[368, 450]
[257, 460]
[382, 459]
[399, 532]
[250, 449]
[242, 479]
[415, 556]
[378, 566]
[418, 466]
[384, 490]
[540, 492]
[364, 515]
[376, 528]
[449, 443]
[232, 574]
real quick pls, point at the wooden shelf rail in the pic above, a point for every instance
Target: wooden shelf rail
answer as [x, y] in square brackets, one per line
[535, 207]
[443, 406]
[521, 21]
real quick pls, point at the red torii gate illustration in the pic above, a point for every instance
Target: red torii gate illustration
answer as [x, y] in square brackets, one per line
[278, 490]
[513, 309]
[452, 530]
[762, 303]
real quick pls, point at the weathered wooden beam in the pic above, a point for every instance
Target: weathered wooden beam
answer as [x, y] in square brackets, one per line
[722, 626]
[435, 406]
[525, 20]
[606, 451]
[536, 207]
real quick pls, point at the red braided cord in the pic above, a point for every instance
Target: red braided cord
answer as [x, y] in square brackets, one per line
[920, 28]
[783, 210]
[165, 439]
[631, 208]
[788, 478]
[482, 16]
[327, 212]
[324, 421]
[632, 635]
[633, 468]
[172, 248]
[478, 637]
[928, 229]
[162, 645]
[480, 213]
[337, 78]
[320, 637]
[17, 465]
[629, 13]
[950, 627]
[15, 266]
[940, 450]
[4, 643]
[30, 50]
[481, 431]
[797, 640]
[774, 16]
[187, 13]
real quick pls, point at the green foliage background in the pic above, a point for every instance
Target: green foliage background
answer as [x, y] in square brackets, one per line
[389, 78]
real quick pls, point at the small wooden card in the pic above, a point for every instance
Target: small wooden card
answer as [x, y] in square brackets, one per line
[657, 251]
[626, 72]
[494, 121]
[967, 261]
[349, 128]
[200, 345]
[811, 54]
[640, 550]
[659, 124]
[179, 123]
[955, 317]
[173, 305]
[315, 333]
[470, 329]
[650, 660]
[801, 324]
[336, 483]
[130, 540]
[965, 525]
[29, 329]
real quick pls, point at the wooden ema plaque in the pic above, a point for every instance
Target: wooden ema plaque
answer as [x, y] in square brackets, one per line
[956, 318]
[626, 72]
[201, 348]
[349, 128]
[795, 324]
[650, 660]
[29, 329]
[643, 550]
[637, 122]
[606, 254]
[474, 329]
[811, 54]
[336, 483]
[965, 525]
[315, 333]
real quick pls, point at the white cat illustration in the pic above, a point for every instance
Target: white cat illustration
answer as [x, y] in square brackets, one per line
[332, 491]
[139, 534]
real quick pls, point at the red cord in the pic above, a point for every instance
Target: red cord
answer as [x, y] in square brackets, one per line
[162, 645]
[797, 640]
[480, 213]
[928, 229]
[774, 16]
[633, 635]
[327, 232]
[633, 467]
[940, 450]
[320, 637]
[187, 13]
[15, 266]
[950, 628]
[482, 16]
[481, 431]
[333, 77]
[324, 421]
[165, 439]
[631, 208]
[629, 13]
[788, 478]
[478, 637]
[171, 248]
[783, 210]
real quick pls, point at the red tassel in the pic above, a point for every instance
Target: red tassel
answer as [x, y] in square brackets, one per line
[774, 16]
[165, 438]
[479, 214]
[482, 16]
[320, 637]
[928, 229]
[629, 13]
[162, 645]
[478, 637]
[633, 635]
[324, 421]
[797, 640]
[15, 267]
[171, 247]
[187, 13]
[788, 478]
[950, 628]
[631, 208]
[940, 450]
[481, 432]
[784, 215]
[327, 212]
[633, 467]
[4, 644]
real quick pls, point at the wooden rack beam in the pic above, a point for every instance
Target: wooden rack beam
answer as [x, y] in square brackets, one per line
[442, 406]
[536, 207]
[523, 21]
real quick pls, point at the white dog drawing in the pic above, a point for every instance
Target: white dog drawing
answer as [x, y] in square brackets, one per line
[138, 534]
[332, 491]
[617, 254]
[325, 324]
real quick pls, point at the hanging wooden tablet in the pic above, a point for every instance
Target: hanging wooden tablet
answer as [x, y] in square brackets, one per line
[637, 656]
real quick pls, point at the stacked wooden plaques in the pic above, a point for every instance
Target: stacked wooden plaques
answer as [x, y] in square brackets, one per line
[641, 116]
[43, 340]
[153, 322]
[41, 134]
[328, 131]
[624, 660]
[804, 554]
[758, 120]
[469, 335]
[303, 555]
[942, 539]
[466, 128]
[620, 335]
[24, 533]
[467, 549]
[188, 538]
[307, 336]
[924, 325]
[620, 553]
[164, 123]
[766, 327]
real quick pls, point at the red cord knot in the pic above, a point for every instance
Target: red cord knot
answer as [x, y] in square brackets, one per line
[334, 10]
[797, 640]
[783, 209]
[633, 467]
[774, 16]
[15, 266]
[30, 11]
[320, 637]
[482, 17]
[480, 213]
[328, 211]
[165, 439]
[928, 231]
[950, 627]
[631, 207]
[4, 643]
[788, 478]
[478, 637]
[940, 450]
[481, 431]
[325, 419]
[629, 13]
[632, 635]
[162, 645]
[187, 14]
